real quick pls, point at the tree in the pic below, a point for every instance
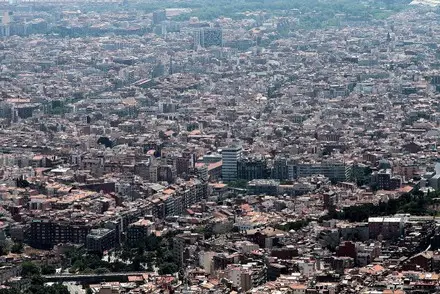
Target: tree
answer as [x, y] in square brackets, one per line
[136, 264]
[29, 269]
[101, 270]
[48, 270]
[106, 142]
[150, 267]
[168, 268]
[4, 250]
[162, 135]
[9, 291]
[39, 288]
[140, 250]
[238, 184]
[152, 242]
[414, 203]
[297, 225]
[125, 254]
[56, 289]
[37, 285]
[168, 257]
[37, 280]
[118, 266]
[17, 248]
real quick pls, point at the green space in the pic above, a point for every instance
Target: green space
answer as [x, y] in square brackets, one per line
[33, 273]
[414, 203]
[153, 252]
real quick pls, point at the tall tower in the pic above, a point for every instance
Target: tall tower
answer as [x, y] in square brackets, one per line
[230, 156]
[171, 65]
[211, 37]
[7, 19]
[159, 16]
[197, 34]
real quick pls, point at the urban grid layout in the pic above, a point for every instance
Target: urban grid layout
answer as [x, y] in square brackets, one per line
[219, 146]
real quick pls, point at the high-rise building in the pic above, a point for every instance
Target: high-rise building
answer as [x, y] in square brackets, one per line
[48, 233]
[207, 37]
[100, 240]
[182, 248]
[385, 180]
[197, 35]
[212, 37]
[280, 169]
[7, 18]
[202, 172]
[230, 158]
[166, 173]
[138, 231]
[247, 276]
[159, 16]
[252, 168]
[334, 170]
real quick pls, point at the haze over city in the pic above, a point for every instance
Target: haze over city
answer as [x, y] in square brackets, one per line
[228, 146]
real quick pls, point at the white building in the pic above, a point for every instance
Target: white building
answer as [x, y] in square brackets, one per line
[206, 261]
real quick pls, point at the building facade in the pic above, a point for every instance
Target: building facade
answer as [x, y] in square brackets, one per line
[230, 158]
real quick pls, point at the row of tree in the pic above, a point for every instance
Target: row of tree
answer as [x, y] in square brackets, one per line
[415, 203]
[33, 272]
[145, 255]
[152, 251]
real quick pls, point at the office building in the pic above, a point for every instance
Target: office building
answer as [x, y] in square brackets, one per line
[212, 37]
[159, 16]
[252, 168]
[100, 240]
[48, 233]
[138, 231]
[230, 158]
[181, 244]
[280, 170]
[207, 37]
[262, 186]
[334, 170]
[385, 180]
[197, 35]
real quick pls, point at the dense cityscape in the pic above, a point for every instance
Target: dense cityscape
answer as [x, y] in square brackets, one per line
[200, 146]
